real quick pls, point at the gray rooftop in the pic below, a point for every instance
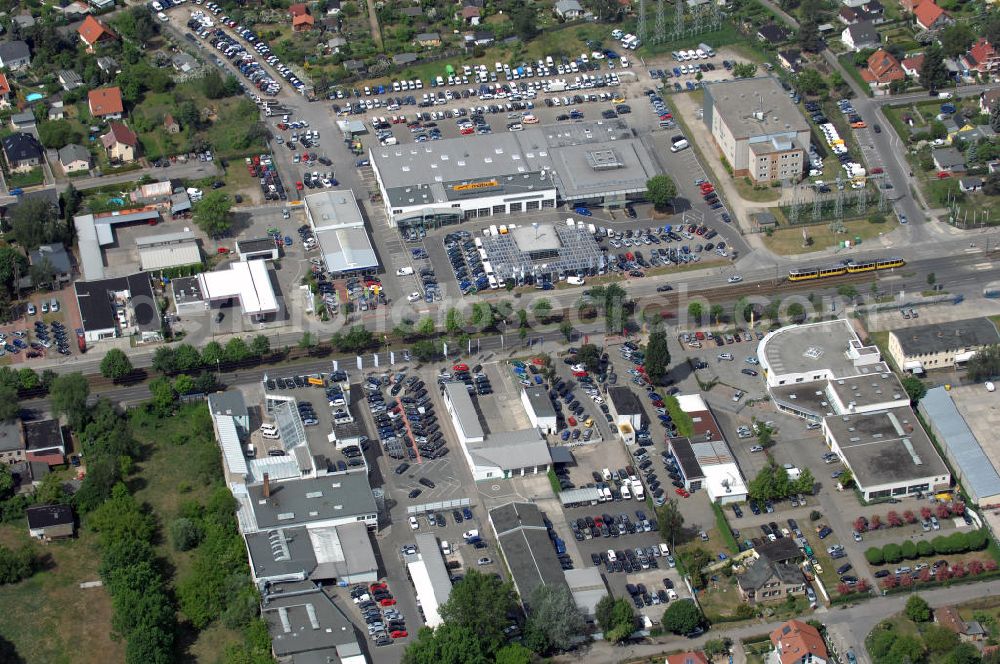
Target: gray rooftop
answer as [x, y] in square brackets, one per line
[465, 410]
[581, 160]
[301, 619]
[540, 402]
[963, 448]
[10, 436]
[948, 157]
[510, 450]
[254, 245]
[230, 402]
[73, 152]
[863, 32]
[884, 447]
[946, 336]
[588, 587]
[55, 254]
[873, 388]
[808, 398]
[526, 547]
[303, 501]
[544, 251]
[430, 553]
[686, 458]
[285, 552]
[340, 230]
[736, 101]
[624, 400]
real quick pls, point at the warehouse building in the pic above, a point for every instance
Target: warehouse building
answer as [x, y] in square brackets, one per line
[339, 227]
[94, 231]
[539, 408]
[495, 454]
[320, 502]
[168, 250]
[704, 459]
[323, 555]
[429, 574]
[123, 306]
[307, 626]
[888, 453]
[757, 128]
[445, 182]
[964, 421]
[525, 544]
[943, 345]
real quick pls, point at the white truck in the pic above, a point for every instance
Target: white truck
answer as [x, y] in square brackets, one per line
[638, 491]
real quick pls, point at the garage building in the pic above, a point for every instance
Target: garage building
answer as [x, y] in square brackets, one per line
[258, 248]
[339, 227]
[430, 577]
[168, 250]
[539, 408]
[525, 544]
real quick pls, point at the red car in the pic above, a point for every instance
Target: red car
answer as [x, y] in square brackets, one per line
[571, 421]
[378, 586]
[579, 374]
[681, 492]
[388, 601]
[877, 169]
[298, 186]
[943, 174]
[398, 634]
[460, 367]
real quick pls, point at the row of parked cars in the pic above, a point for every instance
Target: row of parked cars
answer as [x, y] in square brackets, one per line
[377, 606]
[265, 51]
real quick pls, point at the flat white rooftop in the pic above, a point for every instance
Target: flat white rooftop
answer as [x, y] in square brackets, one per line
[249, 282]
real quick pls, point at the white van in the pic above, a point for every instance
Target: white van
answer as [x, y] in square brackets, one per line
[679, 145]
[664, 550]
[445, 548]
[404, 271]
[162, 17]
[574, 280]
[267, 427]
[616, 34]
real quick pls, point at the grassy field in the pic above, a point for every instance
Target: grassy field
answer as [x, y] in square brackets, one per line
[756, 194]
[173, 472]
[788, 240]
[50, 619]
[28, 179]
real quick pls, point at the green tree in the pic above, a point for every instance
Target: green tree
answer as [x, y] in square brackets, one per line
[68, 397]
[9, 405]
[671, 522]
[187, 358]
[874, 555]
[212, 354]
[162, 395]
[695, 311]
[848, 291]
[447, 644]
[964, 653]
[164, 360]
[57, 134]
[603, 612]
[17, 564]
[453, 321]
[566, 329]
[956, 39]
[661, 191]
[525, 21]
[260, 345]
[657, 360]
[236, 350]
[513, 653]
[716, 311]
[480, 603]
[933, 74]
[917, 609]
[892, 553]
[6, 482]
[13, 266]
[34, 222]
[308, 340]
[115, 364]
[554, 619]
[681, 617]
[744, 70]
[771, 483]
[212, 213]
[810, 82]
[426, 350]
[425, 326]
[357, 339]
[542, 308]
[589, 356]
[915, 388]
[846, 478]
[185, 534]
[806, 483]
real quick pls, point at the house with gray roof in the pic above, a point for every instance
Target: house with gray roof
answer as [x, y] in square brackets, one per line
[74, 158]
[774, 575]
[402, 59]
[948, 159]
[14, 54]
[568, 10]
[56, 257]
[69, 79]
[429, 39]
[860, 36]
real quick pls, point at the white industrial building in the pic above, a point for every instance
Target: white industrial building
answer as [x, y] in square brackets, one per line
[539, 408]
[888, 453]
[167, 250]
[248, 283]
[822, 369]
[339, 227]
[705, 460]
[497, 454]
[429, 576]
[444, 182]
[258, 248]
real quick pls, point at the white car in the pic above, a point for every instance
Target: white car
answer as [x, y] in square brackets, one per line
[735, 279]
[413, 297]
[757, 448]
[484, 561]
[414, 525]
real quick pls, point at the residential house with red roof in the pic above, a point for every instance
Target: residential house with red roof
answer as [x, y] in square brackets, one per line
[120, 143]
[931, 17]
[302, 20]
[912, 65]
[882, 69]
[106, 103]
[796, 642]
[4, 91]
[93, 31]
[692, 657]
[983, 59]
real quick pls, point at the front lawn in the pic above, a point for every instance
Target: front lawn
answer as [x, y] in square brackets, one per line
[27, 179]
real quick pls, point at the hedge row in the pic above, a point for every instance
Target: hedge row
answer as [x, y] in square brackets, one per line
[975, 540]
